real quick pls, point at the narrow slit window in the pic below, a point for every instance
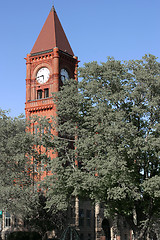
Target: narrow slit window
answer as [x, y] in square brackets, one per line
[81, 217]
[7, 220]
[46, 93]
[39, 94]
[88, 218]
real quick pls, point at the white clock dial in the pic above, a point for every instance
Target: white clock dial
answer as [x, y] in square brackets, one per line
[64, 74]
[43, 75]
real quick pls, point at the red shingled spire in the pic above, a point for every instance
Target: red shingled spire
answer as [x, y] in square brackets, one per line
[52, 35]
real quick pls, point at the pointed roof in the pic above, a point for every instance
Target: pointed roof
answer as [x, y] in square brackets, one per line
[52, 35]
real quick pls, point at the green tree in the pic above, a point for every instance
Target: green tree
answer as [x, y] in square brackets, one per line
[15, 146]
[20, 173]
[108, 142]
[42, 220]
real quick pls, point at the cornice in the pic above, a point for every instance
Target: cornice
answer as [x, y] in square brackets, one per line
[39, 108]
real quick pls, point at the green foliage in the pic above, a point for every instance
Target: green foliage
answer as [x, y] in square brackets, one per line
[22, 158]
[15, 144]
[109, 124]
[41, 219]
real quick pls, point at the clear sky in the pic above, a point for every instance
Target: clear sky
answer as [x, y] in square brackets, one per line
[124, 29]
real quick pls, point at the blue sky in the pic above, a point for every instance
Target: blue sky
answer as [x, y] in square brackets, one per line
[124, 29]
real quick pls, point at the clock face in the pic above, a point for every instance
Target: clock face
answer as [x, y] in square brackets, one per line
[43, 75]
[64, 74]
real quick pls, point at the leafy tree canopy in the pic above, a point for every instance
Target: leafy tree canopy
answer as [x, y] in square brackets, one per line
[108, 139]
[20, 169]
[15, 146]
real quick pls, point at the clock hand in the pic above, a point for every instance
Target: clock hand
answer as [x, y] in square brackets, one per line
[41, 76]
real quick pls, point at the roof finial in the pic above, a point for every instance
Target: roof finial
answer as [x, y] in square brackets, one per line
[53, 8]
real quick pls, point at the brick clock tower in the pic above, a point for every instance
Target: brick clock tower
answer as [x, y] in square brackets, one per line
[50, 62]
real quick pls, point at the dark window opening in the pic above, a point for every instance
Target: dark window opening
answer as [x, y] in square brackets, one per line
[39, 94]
[35, 130]
[15, 222]
[124, 223]
[81, 236]
[7, 220]
[88, 215]
[125, 236]
[46, 93]
[81, 217]
[89, 236]
[106, 228]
